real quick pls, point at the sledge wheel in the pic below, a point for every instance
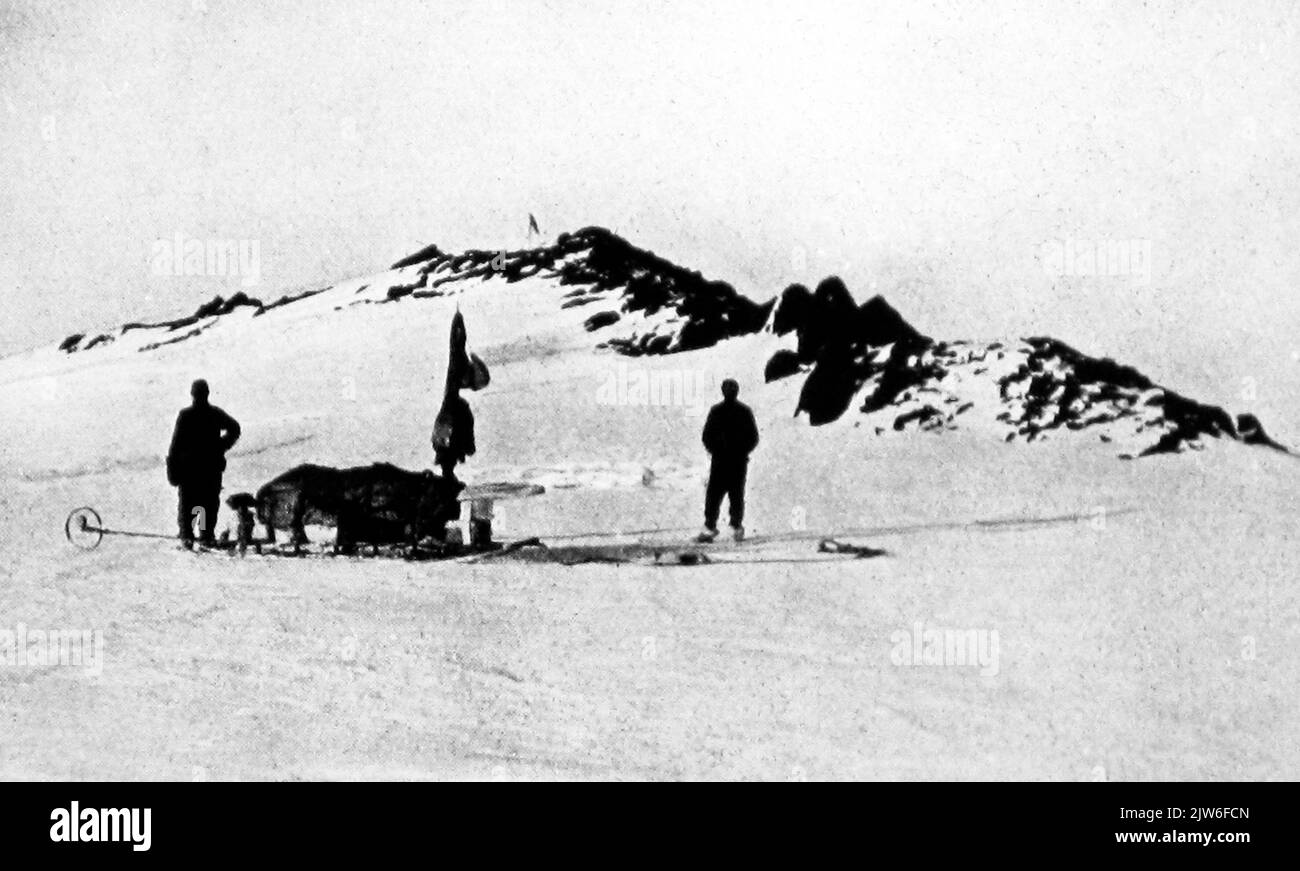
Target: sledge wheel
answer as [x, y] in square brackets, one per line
[84, 528]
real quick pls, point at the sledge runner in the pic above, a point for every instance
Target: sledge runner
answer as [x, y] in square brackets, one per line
[195, 461]
[730, 436]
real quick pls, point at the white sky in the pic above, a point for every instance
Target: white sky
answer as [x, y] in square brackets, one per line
[927, 151]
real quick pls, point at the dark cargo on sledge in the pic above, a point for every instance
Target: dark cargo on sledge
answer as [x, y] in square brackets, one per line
[375, 504]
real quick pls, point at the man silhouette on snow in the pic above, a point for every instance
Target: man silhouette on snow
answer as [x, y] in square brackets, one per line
[730, 436]
[195, 461]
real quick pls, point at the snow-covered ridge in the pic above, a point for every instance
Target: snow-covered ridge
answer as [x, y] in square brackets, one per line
[1025, 390]
[862, 358]
[641, 303]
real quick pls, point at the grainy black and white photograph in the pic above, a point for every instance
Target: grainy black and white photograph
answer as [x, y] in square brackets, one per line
[559, 390]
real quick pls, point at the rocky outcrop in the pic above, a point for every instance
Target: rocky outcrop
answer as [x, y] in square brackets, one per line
[1039, 388]
[693, 312]
[213, 308]
[600, 320]
[840, 345]
[864, 359]
[1251, 431]
[679, 309]
[216, 307]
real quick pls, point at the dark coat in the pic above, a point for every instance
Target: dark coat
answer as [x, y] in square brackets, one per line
[200, 440]
[730, 432]
[453, 431]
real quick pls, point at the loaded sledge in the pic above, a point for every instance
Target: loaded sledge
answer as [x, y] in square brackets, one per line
[376, 510]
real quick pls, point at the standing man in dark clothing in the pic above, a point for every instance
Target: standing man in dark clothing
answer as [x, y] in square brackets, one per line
[730, 436]
[195, 461]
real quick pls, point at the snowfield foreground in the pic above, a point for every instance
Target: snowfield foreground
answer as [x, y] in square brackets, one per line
[1045, 611]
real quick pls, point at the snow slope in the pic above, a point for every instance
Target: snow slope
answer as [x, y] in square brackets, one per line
[1145, 616]
[642, 305]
